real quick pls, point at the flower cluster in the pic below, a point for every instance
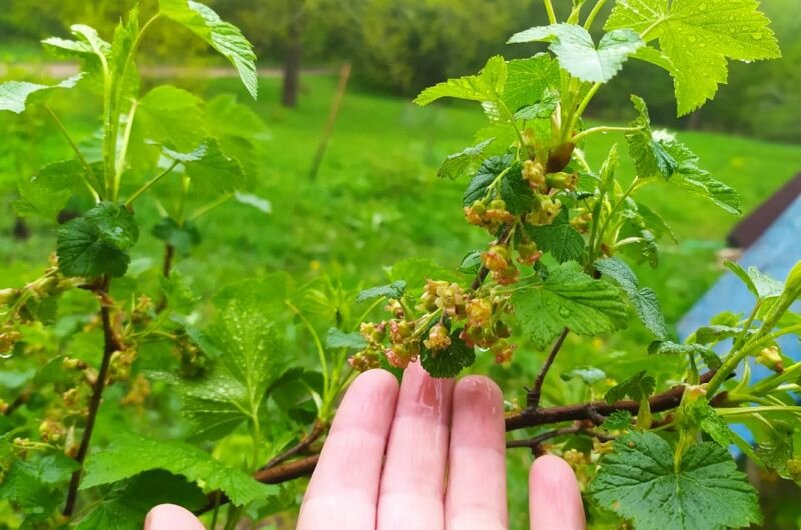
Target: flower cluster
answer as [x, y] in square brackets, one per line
[447, 313]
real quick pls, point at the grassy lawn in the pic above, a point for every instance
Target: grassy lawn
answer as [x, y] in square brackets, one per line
[376, 200]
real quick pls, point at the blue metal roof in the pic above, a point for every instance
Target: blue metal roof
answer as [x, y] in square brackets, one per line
[774, 253]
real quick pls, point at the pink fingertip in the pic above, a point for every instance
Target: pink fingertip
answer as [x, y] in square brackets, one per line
[171, 517]
[555, 499]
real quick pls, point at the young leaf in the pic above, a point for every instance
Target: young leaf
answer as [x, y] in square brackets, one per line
[486, 175]
[699, 182]
[393, 290]
[458, 164]
[531, 82]
[715, 333]
[541, 110]
[170, 116]
[471, 262]
[576, 51]
[589, 374]
[516, 192]
[46, 193]
[645, 302]
[182, 238]
[640, 481]
[97, 243]
[130, 454]
[568, 298]
[619, 420]
[449, 362]
[226, 38]
[89, 45]
[487, 86]
[127, 504]
[210, 169]
[16, 95]
[248, 357]
[637, 387]
[336, 338]
[558, 238]
[649, 155]
[660, 347]
[761, 285]
[254, 201]
[697, 38]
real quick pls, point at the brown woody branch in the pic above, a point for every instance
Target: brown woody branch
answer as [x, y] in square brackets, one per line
[111, 344]
[595, 410]
[535, 443]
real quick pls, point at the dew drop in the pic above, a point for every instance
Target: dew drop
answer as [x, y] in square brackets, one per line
[756, 36]
[565, 312]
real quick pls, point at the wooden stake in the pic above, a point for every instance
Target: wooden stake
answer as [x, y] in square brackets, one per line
[336, 103]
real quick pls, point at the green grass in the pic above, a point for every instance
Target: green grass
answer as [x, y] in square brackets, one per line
[376, 200]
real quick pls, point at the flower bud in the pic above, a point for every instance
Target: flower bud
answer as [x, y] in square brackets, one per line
[771, 358]
[438, 338]
[479, 312]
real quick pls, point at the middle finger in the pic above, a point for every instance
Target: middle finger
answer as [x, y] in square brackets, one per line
[413, 482]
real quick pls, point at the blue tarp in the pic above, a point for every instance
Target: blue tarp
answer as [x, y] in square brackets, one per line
[774, 253]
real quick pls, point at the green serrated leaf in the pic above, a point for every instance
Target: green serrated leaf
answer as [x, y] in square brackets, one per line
[516, 192]
[471, 263]
[541, 110]
[576, 51]
[393, 290]
[447, 363]
[637, 387]
[24, 488]
[336, 338]
[645, 302]
[690, 177]
[715, 333]
[130, 454]
[650, 157]
[698, 38]
[711, 358]
[762, 286]
[170, 116]
[640, 482]
[458, 164]
[487, 86]
[226, 38]
[486, 175]
[211, 170]
[47, 192]
[588, 374]
[568, 298]
[97, 243]
[181, 237]
[15, 96]
[560, 239]
[530, 82]
[619, 420]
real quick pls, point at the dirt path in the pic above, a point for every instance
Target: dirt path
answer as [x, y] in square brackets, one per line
[60, 70]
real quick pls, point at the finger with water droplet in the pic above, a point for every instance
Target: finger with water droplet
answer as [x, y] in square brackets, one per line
[343, 490]
[413, 482]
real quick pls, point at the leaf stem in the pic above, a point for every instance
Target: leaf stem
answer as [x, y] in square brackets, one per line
[549, 9]
[77, 151]
[318, 343]
[150, 183]
[571, 123]
[126, 138]
[203, 210]
[597, 130]
[594, 13]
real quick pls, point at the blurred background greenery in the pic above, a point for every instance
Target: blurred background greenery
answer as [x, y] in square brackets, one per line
[376, 199]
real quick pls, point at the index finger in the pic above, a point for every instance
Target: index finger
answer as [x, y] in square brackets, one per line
[343, 491]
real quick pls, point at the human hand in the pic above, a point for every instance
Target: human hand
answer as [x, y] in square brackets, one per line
[384, 464]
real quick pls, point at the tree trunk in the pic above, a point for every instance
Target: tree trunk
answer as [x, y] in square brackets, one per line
[293, 58]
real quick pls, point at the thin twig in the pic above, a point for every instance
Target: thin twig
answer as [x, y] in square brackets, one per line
[317, 430]
[533, 399]
[110, 345]
[536, 441]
